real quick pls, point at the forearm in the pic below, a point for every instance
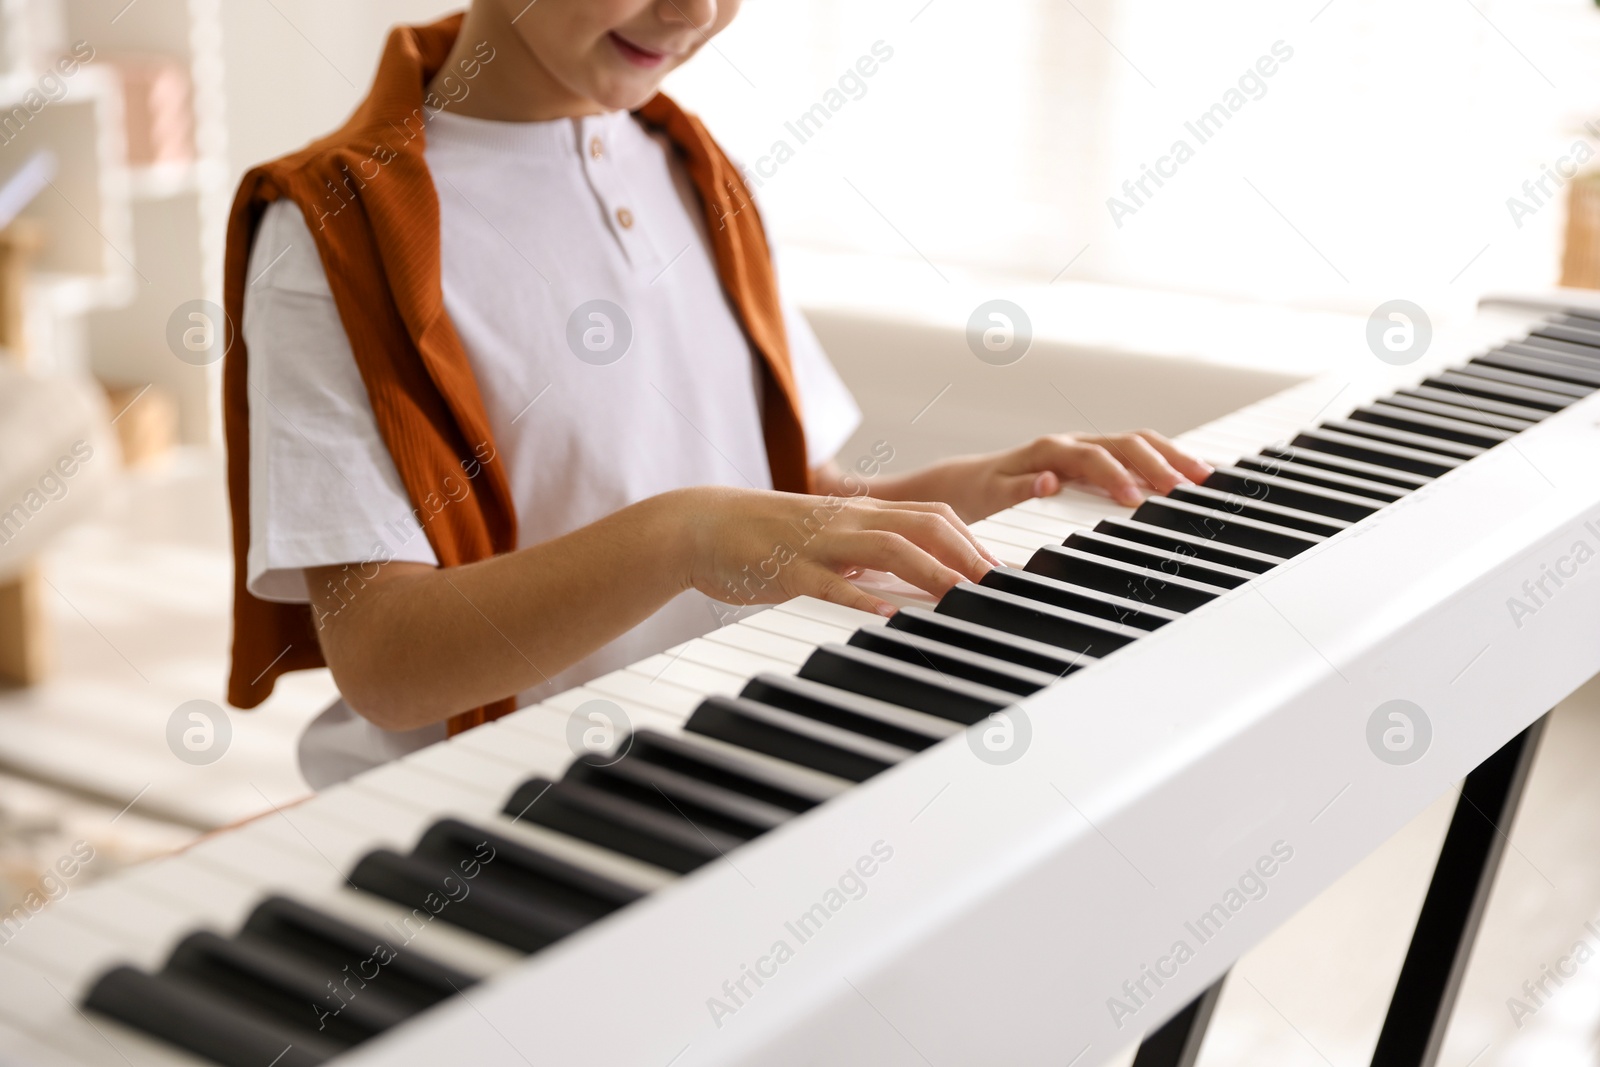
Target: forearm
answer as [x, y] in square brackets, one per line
[426, 643]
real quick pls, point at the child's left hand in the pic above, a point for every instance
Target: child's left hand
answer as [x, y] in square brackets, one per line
[1124, 466]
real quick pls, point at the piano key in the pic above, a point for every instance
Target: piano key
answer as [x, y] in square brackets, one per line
[1202, 548]
[1472, 386]
[1079, 509]
[199, 1019]
[1567, 331]
[849, 710]
[1181, 564]
[1036, 620]
[953, 660]
[582, 811]
[1274, 488]
[1426, 442]
[1025, 652]
[1082, 599]
[1140, 584]
[1560, 370]
[1011, 545]
[1226, 527]
[405, 783]
[1347, 465]
[1399, 417]
[1055, 527]
[1256, 508]
[1569, 390]
[795, 738]
[761, 642]
[663, 695]
[656, 705]
[677, 670]
[797, 627]
[460, 765]
[1380, 453]
[532, 751]
[279, 986]
[1557, 351]
[823, 611]
[906, 684]
[753, 773]
[477, 851]
[335, 943]
[726, 658]
[1456, 406]
[705, 803]
[1325, 477]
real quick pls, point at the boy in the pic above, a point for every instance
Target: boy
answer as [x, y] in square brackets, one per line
[518, 398]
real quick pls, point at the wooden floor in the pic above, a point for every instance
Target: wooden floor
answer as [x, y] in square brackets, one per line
[139, 604]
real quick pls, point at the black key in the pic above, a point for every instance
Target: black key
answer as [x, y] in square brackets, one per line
[485, 856]
[1380, 453]
[796, 738]
[773, 781]
[1473, 386]
[666, 840]
[1571, 334]
[1442, 426]
[672, 791]
[1584, 318]
[1256, 508]
[1077, 598]
[342, 948]
[1311, 457]
[1326, 478]
[1240, 530]
[952, 660]
[200, 1019]
[281, 985]
[1561, 370]
[1179, 564]
[1274, 489]
[1420, 441]
[1203, 548]
[1143, 585]
[848, 710]
[1036, 620]
[1557, 351]
[1428, 401]
[1526, 381]
[523, 923]
[947, 629]
[906, 684]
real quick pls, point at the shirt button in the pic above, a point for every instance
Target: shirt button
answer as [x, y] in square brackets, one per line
[596, 149]
[624, 218]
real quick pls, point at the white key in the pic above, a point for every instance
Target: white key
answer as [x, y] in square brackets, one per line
[1038, 522]
[555, 712]
[408, 784]
[680, 671]
[505, 742]
[663, 695]
[461, 765]
[823, 611]
[736, 661]
[36, 1005]
[761, 642]
[1078, 508]
[798, 627]
[1007, 544]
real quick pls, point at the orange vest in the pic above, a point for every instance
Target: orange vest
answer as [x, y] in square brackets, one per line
[366, 193]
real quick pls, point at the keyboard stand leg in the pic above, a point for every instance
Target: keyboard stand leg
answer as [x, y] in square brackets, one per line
[1177, 1043]
[1419, 1012]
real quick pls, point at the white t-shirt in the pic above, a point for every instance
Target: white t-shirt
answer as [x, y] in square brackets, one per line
[536, 221]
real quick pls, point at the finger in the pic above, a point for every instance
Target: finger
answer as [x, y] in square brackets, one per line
[1072, 460]
[1195, 469]
[949, 515]
[812, 579]
[883, 550]
[1141, 457]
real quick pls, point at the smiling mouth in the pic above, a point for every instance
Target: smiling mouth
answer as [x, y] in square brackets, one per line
[638, 56]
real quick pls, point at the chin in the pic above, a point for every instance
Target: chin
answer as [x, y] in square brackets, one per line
[625, 96]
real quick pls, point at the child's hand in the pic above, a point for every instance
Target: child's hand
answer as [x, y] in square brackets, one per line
[1124, 466]
[752, 546]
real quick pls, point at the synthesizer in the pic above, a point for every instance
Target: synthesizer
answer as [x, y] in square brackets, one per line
[1025, 824]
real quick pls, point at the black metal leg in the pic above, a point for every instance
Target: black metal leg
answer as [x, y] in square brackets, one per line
[1413, 1032]
[1177, 1043]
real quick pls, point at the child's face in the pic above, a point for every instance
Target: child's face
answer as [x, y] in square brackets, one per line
[616, 52]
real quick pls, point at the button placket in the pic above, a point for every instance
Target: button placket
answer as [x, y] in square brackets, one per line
[598, 156]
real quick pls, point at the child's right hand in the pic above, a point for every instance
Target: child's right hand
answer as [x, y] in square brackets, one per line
[749, 546]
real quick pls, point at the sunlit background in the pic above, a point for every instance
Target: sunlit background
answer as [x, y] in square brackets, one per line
[912, 158]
